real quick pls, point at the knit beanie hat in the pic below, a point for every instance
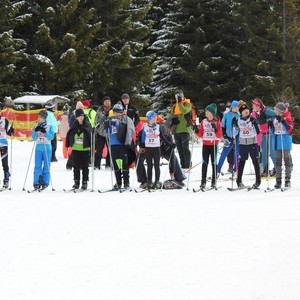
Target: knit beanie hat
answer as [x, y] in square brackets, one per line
[43, 114]
[49, 105]
[125, 96]
[86, 103]
[150, 115]
[234, 104]
[118, 107]
[257, 102]
[241, 102]
[243, 107]
[106, 98]
[212, 108]
[281, 107]
[79, 112]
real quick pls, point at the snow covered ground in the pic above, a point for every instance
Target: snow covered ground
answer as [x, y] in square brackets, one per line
[216, 245]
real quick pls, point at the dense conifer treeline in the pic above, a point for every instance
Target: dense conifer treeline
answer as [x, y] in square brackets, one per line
[215, 50]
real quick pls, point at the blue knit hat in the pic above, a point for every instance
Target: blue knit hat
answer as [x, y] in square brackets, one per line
[150, 115]
[212, 108]
[234, 104]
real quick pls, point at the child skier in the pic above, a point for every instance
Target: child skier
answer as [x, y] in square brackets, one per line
[5, 129]
[42, 134]
[150, 144]
[282, 128]
[210, 131]
[248, 130]
[229, 135]
[79, 138]
[120, 131]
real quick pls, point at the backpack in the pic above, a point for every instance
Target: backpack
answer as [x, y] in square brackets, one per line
[191, 116]
[171, 185]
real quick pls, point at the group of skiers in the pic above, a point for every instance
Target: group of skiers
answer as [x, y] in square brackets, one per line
[259, 134]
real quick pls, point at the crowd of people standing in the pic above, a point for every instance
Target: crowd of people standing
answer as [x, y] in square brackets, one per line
[260, 132]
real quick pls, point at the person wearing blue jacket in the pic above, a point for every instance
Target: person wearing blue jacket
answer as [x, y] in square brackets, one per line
[42, 134]
[282, 129]
[51, 119]
[119, 131]
[229, 135]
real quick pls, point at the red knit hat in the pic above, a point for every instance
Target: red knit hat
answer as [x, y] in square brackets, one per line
[86, 103]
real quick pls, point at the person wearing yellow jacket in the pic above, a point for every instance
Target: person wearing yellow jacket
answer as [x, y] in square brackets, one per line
[181, 109]
[91, 113]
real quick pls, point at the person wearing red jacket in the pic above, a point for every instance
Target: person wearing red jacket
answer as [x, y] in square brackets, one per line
[210, 131]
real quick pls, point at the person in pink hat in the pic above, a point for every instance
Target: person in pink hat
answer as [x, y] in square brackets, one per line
[264, 116]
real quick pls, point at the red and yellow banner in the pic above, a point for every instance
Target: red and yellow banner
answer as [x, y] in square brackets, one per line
[23, 121]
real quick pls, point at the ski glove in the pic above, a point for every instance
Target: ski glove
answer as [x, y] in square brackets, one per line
[279, 119]
[37, 128]
[270, 124]
[234, 122]
[196, 128]
[214, 126]
[43, 129]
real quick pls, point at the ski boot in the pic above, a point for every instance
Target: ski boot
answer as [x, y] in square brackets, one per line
[287, 183]
[240, 185]
[6, 180]
[36, 186]
[76, 184]
[157, 185]
[278, 183]
[203, 184]
[256, 185]
[84, 185]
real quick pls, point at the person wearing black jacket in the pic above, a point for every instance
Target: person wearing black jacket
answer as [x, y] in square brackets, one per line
[130, 110]
[79, 138]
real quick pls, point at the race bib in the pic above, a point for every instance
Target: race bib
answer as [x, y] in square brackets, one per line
[278, 127]
[79, 141]
[208, 132]
[152, 136]
[246, 129]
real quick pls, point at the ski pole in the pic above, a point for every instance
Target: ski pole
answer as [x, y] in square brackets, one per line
[189, 175]
[28, 166]
[112, 168]
[236, 161]
[282, 154]
[268, 154]
[10, 160]
[215, 163]
[93, 147]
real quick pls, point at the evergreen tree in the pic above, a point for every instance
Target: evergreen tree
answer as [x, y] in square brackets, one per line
[291, 46]
[11, 48]
[262, 51]
[126, 31]
[60, 49]
[210, 56]
[165, 16]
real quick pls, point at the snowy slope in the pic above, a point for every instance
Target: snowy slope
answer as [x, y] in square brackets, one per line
[164, 245]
